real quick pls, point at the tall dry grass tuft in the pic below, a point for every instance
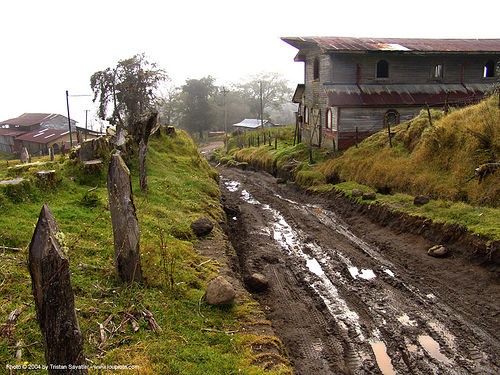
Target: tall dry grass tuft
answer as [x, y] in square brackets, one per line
[435, 160]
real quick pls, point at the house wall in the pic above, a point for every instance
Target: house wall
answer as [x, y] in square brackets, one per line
[6, 143]
[408, 69]
[35, 148]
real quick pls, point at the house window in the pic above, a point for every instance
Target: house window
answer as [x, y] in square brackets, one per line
[329, 121]
[382, 69]
[489, 69]
[306, 115]
[316, 69]
[437, 72]
[391, 118]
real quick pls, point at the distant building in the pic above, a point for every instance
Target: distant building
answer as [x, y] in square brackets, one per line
[253, 124]
[30, 130]
[354, 87]
[37, 142]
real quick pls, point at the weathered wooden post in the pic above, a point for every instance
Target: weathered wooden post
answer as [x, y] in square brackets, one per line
[124, 221]
[54, 300]
[25, 156]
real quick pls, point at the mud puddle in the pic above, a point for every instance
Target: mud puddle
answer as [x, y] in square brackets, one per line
[341, 304]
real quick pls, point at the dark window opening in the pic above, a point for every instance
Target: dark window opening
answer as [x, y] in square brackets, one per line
[489, 69]
[438, 71]
[382, 69]
[316, 69]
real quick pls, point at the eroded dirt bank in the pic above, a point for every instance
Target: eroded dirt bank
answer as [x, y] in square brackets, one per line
[347, 295]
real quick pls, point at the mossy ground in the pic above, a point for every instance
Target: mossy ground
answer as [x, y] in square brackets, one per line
[182, 187]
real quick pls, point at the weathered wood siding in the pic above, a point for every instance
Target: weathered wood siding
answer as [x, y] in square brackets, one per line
[409, 69]
[371, 119]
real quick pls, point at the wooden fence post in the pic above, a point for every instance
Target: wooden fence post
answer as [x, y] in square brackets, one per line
[124, 220]
[54, 300]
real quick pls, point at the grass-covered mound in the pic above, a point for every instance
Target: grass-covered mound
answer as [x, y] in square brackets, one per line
[434, 160]
[182, 187]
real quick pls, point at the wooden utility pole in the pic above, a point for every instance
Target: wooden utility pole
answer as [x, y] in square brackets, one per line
[69, 119]
[86, 128]
[54, 300]
[261, 107]
[226, 143]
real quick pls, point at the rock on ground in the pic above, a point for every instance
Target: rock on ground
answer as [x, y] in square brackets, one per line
[437, 251]
[421, 200]
[220, 292]
[202, 226]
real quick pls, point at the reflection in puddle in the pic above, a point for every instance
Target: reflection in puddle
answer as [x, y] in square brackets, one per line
[364, 274]
[389, 272]
[406, 321]
[383, 360]
[232, 186]
[314, 267]
[247, 197]
[432, 348]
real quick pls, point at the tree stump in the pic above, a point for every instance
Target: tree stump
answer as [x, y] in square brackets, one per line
[54, 300]
[124, 220]
[92, 166]
[47, 176]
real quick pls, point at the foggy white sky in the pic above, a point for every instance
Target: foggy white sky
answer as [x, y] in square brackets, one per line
[50, 46]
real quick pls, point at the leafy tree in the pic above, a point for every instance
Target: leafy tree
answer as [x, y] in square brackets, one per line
[129, 88]
[198, 104]
[275, 92]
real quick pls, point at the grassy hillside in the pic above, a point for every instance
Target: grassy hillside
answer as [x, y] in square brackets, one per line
[182, 187]
[435, 160]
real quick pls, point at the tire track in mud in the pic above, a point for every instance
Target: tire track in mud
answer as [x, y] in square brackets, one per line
[337, 302]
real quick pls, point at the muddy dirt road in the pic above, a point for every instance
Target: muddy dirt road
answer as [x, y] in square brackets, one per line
[347, 296]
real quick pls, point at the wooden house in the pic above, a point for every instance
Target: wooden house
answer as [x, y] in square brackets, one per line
[354, 87]
[30, 130]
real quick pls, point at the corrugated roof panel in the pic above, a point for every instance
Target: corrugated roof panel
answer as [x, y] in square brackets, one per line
[396, 44]
[383, 95]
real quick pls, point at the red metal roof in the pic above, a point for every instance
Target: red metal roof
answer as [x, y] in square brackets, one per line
[384, 95]
[10, 132]
[43, 135]
[339, 44]
[28, 119]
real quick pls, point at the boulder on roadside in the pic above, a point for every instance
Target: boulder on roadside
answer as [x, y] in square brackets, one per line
[356, 193]
[257, 282]
[219, 292]
[437, 251]
[421, 200]
[369, 196]
[202, 226]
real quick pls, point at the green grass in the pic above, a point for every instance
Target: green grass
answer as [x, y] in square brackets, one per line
[484, 221]
[182, 187]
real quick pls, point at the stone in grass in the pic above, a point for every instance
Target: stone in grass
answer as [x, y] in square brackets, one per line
[257, 282]
[356, 193]
[369, 196]
[437, 251]
[219, 292]
[421, 200]
[202, 226]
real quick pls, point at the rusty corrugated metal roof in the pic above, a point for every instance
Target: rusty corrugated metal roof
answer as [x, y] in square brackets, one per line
[44, 135]
[347, 44]
[10, 132]
[383, 95]
[28, 119]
